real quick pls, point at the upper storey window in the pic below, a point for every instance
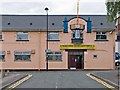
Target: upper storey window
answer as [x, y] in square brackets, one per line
[101, 36]
[53, 36]
[21, 36]
[77, 34]
[0, 35]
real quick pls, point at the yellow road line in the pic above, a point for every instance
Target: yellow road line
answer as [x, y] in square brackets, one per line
[18, 82]
[101, 82]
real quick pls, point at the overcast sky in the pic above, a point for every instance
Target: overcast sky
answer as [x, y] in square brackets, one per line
[55, 7]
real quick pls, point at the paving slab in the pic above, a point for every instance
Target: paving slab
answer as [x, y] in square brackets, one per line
[9, 79]
[112, 76]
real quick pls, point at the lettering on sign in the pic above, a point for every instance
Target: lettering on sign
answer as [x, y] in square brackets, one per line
[77, 47]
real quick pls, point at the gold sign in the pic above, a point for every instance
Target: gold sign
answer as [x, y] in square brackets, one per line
[62, 47]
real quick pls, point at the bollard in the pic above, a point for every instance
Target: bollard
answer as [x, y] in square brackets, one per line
[7, 72]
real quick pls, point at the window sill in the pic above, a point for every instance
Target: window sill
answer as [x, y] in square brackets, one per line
[53, 40]
[22, 61]
[77, 39]
[117, 40]
[101, 40]
[2, 61]
[55, 60]
[23, 40]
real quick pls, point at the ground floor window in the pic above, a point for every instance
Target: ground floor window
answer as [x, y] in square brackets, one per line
[22, 55]
[2, 55]
[55, 56]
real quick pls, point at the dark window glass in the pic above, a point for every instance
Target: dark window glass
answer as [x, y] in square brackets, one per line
[0, 36]
[55, 56]
[2, 57]
[22, 56]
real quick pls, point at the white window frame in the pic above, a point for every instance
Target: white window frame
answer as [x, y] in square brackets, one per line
[22, 54]
[54, 55]
[22, 33]
[50, 34]
[101, 34]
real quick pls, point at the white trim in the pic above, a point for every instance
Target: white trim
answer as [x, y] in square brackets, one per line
[72, 68]
[22, 52]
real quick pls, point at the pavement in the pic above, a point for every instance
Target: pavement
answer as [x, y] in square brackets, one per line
[109, 76]
[10, 79]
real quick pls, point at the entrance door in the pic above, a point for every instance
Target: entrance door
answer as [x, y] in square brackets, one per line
[79, 62]
[75, 60]
[72, 62]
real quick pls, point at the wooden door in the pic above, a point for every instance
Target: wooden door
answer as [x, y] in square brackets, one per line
[72, 61]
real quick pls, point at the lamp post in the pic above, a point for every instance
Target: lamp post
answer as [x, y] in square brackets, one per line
[46, 9]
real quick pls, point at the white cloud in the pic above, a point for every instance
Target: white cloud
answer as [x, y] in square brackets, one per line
[52, 1]
[93, 8]
[55, 6]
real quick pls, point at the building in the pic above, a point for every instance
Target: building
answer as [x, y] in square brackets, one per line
[86, 42]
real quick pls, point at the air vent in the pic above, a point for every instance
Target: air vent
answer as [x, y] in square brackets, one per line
[30, 23]
[101, 23]
[8, 23]
[53, 23]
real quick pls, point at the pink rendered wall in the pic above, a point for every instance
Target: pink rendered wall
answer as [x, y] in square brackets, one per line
[10, 44]
[104, 51]
[53, 46]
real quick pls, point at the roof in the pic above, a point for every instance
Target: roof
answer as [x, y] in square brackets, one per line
[38, 22]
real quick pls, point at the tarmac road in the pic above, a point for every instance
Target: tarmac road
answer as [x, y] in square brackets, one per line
[60, 79]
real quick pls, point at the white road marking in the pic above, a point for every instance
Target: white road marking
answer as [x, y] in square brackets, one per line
[59, 74]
